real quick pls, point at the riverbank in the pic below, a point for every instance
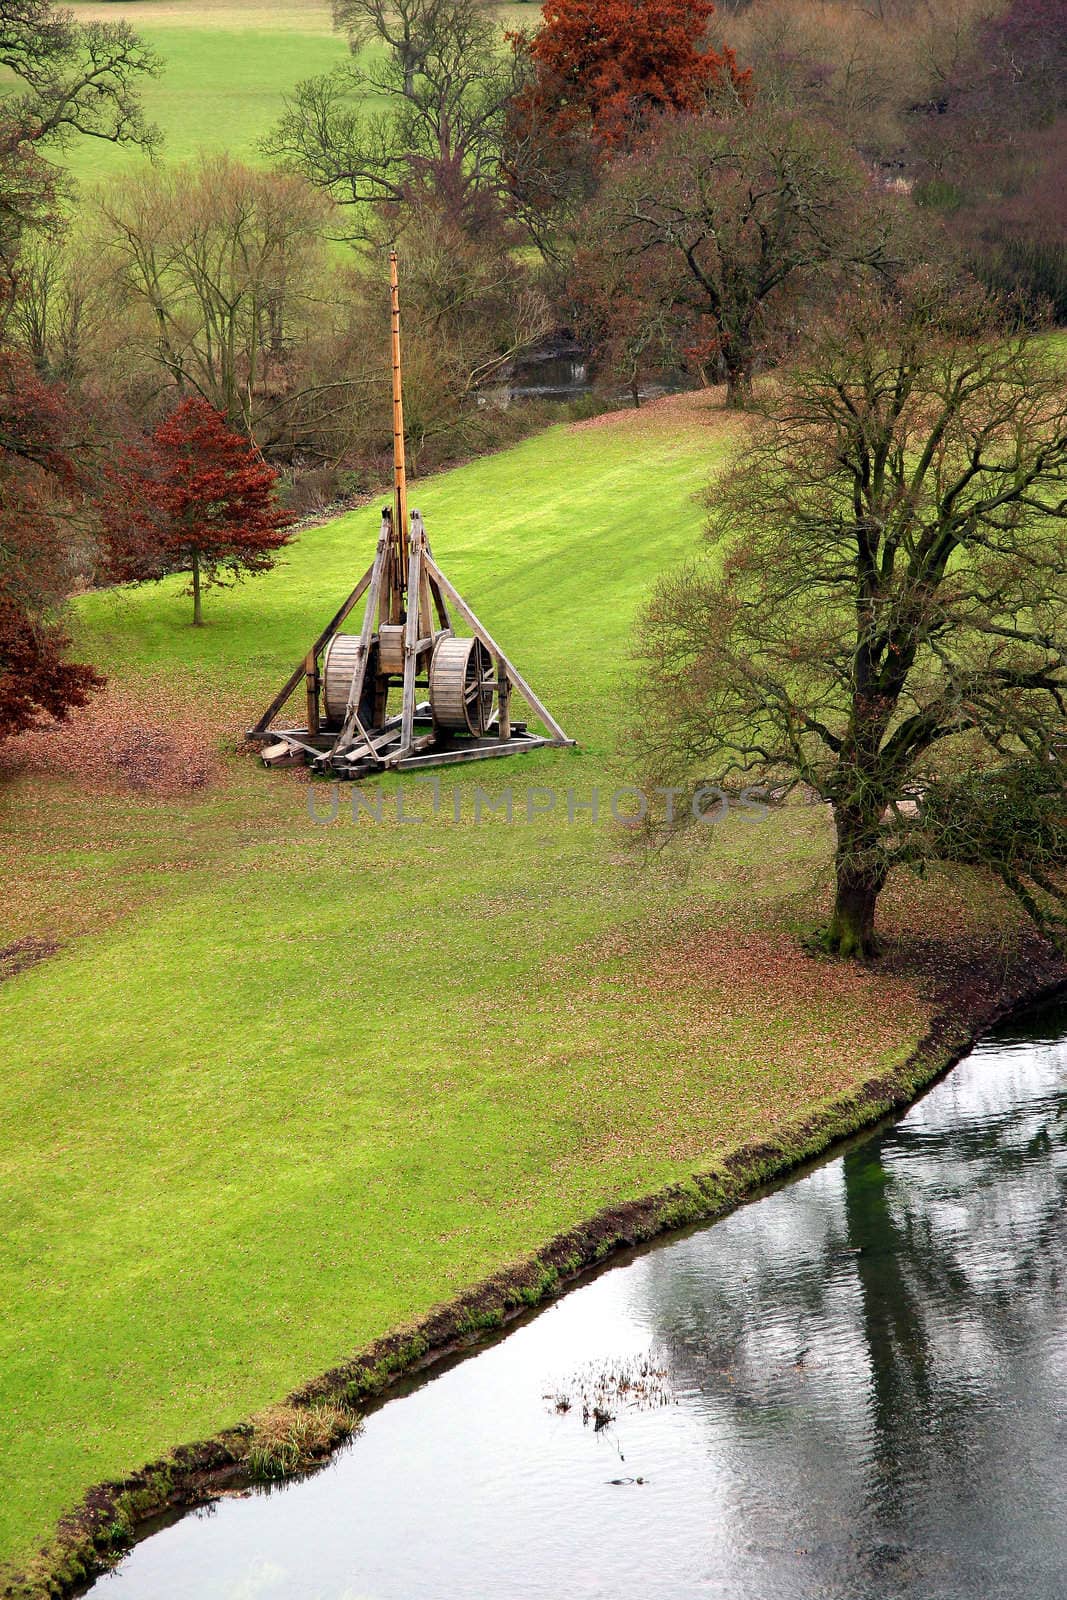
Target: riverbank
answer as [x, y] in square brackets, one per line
[114, 1515]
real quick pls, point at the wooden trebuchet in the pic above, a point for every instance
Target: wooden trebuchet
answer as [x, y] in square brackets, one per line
[406, 641]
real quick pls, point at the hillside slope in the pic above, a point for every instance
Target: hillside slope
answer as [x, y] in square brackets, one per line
[285, 1086]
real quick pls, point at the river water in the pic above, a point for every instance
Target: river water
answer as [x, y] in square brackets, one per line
[853, 1388]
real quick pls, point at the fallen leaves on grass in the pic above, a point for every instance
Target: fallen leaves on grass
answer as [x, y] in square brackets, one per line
[143, 742]
[725, 964]
[669, 413]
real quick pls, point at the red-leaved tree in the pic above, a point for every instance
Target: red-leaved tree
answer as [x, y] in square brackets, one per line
[41, 496]
[600, 68]
[595, 75]
[195, 498]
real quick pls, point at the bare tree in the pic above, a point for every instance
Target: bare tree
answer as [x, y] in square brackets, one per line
[748, 209]
[64, 316]
[469, 299]
[864, 66]
[70, 79]
[446, 84]
[73, 78]
[227, 266]
[888, 609]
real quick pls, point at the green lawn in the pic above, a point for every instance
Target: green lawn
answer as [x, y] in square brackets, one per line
[226, 70]
[289, 1085]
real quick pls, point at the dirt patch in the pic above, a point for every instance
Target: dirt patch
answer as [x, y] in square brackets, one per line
[25, 953]
[124, 743]
[95, 1535]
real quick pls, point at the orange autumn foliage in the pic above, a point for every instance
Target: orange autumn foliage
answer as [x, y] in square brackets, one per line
[601, 68]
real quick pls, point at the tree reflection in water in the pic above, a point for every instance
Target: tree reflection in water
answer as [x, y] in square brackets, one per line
[889, 1336]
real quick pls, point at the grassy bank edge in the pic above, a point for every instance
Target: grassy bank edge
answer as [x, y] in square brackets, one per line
[112, 1516]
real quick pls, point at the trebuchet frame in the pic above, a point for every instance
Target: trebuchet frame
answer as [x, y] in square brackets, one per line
[408, 599]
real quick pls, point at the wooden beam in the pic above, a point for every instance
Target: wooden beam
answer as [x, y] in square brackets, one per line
[476, 752]
[324, 637]
[344, 738]
[443, 618]
[373, 743]
[494, 649]
[400, 487]
[311, 686]
[411, 639]
[297, 744]
[503, 698]
[282, 754]
[418, 534]
[397, 758]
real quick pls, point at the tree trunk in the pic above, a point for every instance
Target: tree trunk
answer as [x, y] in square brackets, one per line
[198, 618]
[860, 878]
[738, 382]
[851, 929]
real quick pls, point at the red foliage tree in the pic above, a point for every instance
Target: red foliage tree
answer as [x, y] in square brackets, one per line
[600, 68]
[40, 501]
[195, 498]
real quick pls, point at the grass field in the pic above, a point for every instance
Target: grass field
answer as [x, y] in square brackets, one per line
[226, 71]
[287, 1085]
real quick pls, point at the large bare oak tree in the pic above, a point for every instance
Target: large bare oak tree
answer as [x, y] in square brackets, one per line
[748, 214]
[438, 71]
[885, 613]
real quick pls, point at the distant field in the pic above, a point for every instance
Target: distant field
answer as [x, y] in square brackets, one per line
[227, 69]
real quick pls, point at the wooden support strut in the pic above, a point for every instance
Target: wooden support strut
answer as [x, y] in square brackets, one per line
[378, 571]
[494, 649]
[324, 638]
[311, 684]
[411, 641]
[444, 621]
[503, 698]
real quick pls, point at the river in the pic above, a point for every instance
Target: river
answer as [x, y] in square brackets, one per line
[852, 1388]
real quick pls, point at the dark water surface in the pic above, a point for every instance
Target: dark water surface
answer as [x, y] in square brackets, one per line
[858, 1389]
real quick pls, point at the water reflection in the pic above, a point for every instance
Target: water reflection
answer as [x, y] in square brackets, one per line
[866, 1371]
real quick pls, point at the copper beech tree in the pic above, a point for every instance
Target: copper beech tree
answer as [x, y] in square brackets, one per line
[41, 494]
[597, 69]
[195, 498]
[592, 78]
[886, 618]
